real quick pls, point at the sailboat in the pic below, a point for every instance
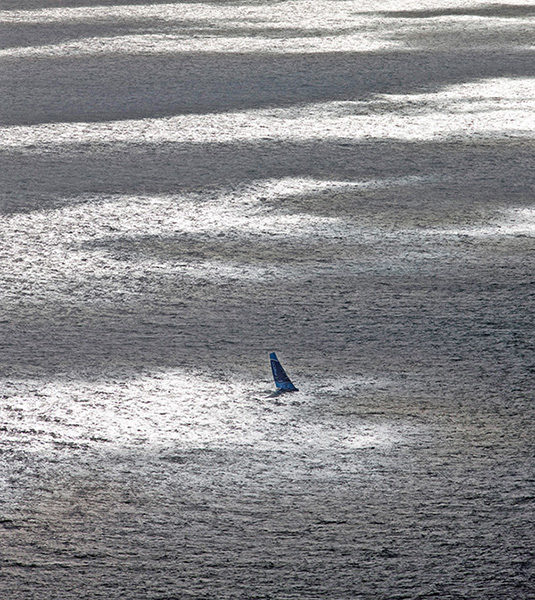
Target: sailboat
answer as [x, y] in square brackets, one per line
[282, 381]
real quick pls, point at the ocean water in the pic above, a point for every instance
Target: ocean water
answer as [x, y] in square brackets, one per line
[185, 187]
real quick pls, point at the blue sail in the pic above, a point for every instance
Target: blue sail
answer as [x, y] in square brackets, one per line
[282, 381]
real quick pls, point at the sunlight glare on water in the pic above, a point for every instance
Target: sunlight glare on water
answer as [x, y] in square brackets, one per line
[188, 186]
[182, 411]
[499, 107]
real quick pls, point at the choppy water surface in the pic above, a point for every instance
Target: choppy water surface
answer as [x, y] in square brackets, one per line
[187, 186]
